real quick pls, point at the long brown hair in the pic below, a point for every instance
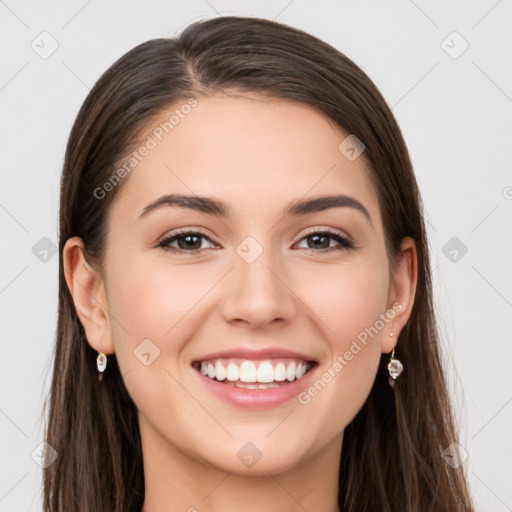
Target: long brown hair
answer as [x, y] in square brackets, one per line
[391, 457]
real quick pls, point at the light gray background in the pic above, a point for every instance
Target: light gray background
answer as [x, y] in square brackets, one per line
[454, 111]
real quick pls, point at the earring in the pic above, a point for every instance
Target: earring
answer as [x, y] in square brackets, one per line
[101, 362]
[395, 368]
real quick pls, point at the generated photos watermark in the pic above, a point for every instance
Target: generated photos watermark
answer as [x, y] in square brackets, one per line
[343, 360]
[150, 143]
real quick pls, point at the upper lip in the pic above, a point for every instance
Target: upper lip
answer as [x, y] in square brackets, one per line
[250, 354]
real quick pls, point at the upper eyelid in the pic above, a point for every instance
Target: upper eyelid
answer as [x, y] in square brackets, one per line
[336, 231]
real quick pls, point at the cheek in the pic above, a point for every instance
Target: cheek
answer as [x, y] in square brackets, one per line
[152, 307]
[150, 299]
[350, 302]
[348, 299]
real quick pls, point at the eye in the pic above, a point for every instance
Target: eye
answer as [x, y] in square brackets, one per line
[321, 237]
[188, 241]
[191, 241]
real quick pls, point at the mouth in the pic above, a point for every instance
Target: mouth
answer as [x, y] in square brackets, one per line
[254, 374]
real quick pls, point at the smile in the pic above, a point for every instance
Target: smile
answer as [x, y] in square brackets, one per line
[253, 383]
[250, 374]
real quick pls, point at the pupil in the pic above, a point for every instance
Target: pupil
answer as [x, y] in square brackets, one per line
[188, 238]
[316, 237]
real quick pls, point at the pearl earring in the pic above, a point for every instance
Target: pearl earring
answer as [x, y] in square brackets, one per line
[101, 362]
[395, 368]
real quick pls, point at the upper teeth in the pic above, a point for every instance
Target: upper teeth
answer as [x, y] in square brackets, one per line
[247, 371]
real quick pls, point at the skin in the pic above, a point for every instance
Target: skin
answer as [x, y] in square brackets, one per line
[256, 154]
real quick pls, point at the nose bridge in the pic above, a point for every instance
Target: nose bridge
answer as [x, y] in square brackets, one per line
[256, 291]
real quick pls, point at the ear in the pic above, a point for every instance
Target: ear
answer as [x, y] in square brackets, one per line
[87, 288]
[402, 292]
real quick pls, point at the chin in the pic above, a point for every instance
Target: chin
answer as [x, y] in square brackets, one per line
[255, 458]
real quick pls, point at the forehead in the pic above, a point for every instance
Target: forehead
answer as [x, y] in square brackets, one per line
[255, 153]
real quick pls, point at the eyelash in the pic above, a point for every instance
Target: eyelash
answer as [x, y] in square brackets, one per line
[344, 242]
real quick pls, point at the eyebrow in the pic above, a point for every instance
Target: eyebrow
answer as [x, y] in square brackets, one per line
[219, 208]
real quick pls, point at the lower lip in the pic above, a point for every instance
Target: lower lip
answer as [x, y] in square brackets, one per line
[256, 398]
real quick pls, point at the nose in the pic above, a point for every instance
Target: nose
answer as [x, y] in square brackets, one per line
[258, 293]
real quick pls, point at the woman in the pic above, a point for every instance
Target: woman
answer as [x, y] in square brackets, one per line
[245, 302]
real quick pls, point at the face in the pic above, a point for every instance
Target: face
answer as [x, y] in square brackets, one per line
[253, 297]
